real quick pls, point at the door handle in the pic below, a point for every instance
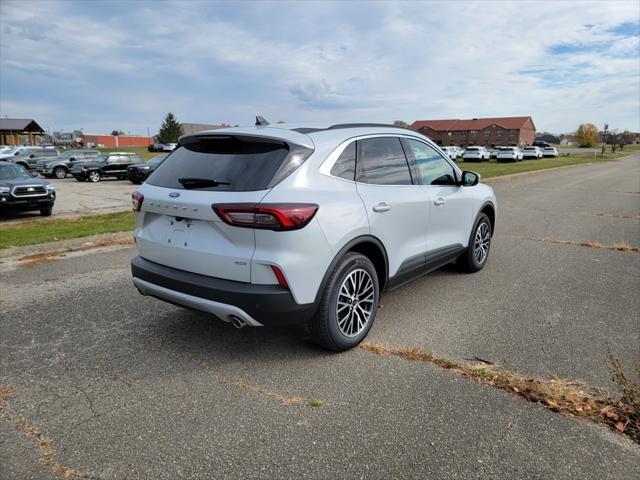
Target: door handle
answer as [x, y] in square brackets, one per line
[439, 201]
[382, 207]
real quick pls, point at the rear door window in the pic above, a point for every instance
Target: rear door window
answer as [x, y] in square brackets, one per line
[242, 164]
[381, 161]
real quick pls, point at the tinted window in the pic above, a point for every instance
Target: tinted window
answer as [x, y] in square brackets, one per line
[247, 164]
[433, 168]
[381, 161]
[345, 166]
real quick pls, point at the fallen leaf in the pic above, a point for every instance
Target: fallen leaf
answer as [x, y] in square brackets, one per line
[620, 426]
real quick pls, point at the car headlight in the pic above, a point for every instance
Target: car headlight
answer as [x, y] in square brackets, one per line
[4, 190]
[84, 169]
[50, 188]
[145, 167]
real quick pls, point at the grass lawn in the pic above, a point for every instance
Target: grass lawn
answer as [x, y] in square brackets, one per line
[41, 230]
[497, 169]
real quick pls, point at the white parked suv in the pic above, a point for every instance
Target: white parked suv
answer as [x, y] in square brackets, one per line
[532, 152]
[549, 152]
[276, 224]
[509, 154]
[452, 152]
[479, 154]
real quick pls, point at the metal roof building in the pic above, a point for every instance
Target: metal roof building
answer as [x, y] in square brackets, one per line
[17, 131]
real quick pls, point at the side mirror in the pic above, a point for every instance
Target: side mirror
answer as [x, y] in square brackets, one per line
[469, 179]
[33, 174]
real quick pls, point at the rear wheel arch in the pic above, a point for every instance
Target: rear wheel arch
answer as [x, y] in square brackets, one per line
[370, 247]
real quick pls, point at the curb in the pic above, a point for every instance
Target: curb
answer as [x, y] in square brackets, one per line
[69, 244]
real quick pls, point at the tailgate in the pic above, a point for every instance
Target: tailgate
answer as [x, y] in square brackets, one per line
[184, 232]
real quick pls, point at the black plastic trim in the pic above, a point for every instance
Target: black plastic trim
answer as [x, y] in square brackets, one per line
[350, 245]
[419, 265]
[268, 304]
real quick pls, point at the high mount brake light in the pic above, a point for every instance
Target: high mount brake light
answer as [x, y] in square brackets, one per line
[266, 216]
[136, 200]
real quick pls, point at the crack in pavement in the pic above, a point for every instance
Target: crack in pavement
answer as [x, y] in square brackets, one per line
[620, 247]
[43, 442]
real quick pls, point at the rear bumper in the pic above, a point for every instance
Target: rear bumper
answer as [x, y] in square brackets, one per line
[257, 305]
[136, 176]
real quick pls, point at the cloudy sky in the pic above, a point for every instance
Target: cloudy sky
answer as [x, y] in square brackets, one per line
[111, 65]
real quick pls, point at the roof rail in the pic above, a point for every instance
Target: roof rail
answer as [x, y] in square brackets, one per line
[338, 126]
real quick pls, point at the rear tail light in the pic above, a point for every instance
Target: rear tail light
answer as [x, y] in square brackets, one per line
[136, 200]
[280, 276]
[268, 216]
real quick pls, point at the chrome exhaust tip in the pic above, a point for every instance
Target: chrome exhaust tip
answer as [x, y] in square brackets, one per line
[238, 322]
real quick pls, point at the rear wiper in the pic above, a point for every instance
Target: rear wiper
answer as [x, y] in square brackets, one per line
[201, 182]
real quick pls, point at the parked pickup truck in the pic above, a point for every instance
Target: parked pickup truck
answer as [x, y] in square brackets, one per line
[20, 192]
[60, 166]
[112, 164]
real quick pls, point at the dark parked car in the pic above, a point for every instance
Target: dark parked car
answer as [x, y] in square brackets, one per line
[156, 147]
[20, 192]
[112, 164]
[139, 172]
[28, 157]
[541, 144]
[61, 166]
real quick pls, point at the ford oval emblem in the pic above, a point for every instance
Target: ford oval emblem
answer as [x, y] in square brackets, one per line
[174, 194]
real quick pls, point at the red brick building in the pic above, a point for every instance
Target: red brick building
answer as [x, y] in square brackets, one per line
[113, 141]
[519, 131]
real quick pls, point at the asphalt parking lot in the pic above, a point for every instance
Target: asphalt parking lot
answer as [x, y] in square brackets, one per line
[123, 386]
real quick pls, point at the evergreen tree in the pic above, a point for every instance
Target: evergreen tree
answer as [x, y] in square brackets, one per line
[170, 130]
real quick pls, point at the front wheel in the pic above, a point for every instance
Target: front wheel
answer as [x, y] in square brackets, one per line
[94, 176]
[60, 172]
[348, 305]
[477, 252]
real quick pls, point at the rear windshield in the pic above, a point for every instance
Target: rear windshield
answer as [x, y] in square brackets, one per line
[246, 164]
[473, 149]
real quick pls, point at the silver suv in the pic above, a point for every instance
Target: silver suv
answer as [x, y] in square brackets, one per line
[275, 224]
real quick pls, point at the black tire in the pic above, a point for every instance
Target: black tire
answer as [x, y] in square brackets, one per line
[46, 212]
[60, 173]
[324, 327]
[468, 260]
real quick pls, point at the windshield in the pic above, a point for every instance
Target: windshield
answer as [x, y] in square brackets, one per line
[11, 151]
[473, 149]
[13, 172]
[101, 158]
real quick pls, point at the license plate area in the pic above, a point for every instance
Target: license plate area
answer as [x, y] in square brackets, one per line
[179, 231]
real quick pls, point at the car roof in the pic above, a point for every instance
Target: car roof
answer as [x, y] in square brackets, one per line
[307, 135]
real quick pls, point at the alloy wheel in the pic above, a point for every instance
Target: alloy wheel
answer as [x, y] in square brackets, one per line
[355, 302]
[481, 242]
[60, 173]
[94, 176]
